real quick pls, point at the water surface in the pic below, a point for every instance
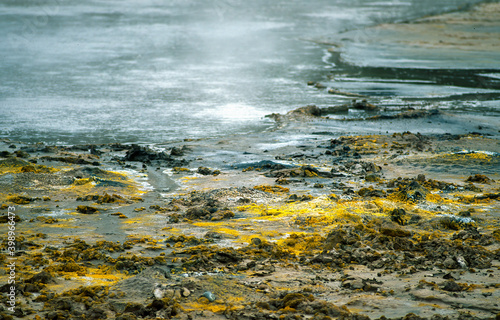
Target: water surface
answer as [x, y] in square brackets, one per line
[154, 71]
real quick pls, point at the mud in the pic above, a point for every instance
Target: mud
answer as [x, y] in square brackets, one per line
[402, 226]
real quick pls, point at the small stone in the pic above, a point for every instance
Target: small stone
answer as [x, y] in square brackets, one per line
[452, 286]
[176, 152]
[479, 178]
[452, 276]
[421, 178]
[395, 232]
[398, 216]
[209, 295]
[205, 171]
[185, 292]
[262, 286]
[353, 284]
[158, 293]
[357, 284]
[87, 209]
[461, 261]
[450, 263]
[256, 241]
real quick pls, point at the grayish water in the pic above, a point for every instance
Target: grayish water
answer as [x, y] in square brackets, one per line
[153, 71]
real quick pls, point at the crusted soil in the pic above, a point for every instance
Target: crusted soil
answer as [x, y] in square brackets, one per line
[402, 226]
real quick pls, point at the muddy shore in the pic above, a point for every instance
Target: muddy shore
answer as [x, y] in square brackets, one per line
[297, 222]
[398, 226]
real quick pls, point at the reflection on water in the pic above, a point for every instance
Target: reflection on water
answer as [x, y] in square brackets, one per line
[151, 71]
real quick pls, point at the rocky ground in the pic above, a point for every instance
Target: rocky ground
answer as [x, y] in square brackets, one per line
[352, 227]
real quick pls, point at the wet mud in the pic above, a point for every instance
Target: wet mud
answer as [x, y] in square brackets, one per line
[401, 226]
[298, 222]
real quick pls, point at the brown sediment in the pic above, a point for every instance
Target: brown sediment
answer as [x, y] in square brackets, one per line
[453, 30]
[313, 112]
[402, 227]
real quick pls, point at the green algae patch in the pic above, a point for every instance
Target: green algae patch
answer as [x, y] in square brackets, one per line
[473, 159]
[87, 210]
[272, 189]
[103, 276]
[16, 165]
[300, 243]
[479, 178]
[56, 184]
[105, 198]
[321, 210]
[18, 199]
[278, 257]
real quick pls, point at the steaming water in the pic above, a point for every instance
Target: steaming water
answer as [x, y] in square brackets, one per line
[153, 71]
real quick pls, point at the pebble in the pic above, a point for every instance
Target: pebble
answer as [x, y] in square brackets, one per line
[461, 261]
[256, 241]
[209, 295]
[185, 292]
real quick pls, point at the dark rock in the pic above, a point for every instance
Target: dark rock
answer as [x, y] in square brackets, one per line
[228, 255]
[370, 192]
[213, 235]
[452, 286]
[57, 315]
[263, 165]
[303, 171]
[450, 263]
[140, 153]
[256, 241]
[310, 110]
[372, 178]
[42, 277]
[72, 160]
[176, 151]
[466, 213]
[89, 172]
[412, 316]
[136, 309]
[87, 210]
[415, 192]
[222, 214]
[21, 199]
[394, 232]
[96, 313]
[21, 154]
[197, 213]
[398, 216]
[6, 219]
[204, 171]
[364, 105]
[207, 172]
[65, 304]
[243, 201]
[479, 178]
[93, 150]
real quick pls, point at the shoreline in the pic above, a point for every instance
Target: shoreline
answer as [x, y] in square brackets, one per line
[352, 226]
[357, 211]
